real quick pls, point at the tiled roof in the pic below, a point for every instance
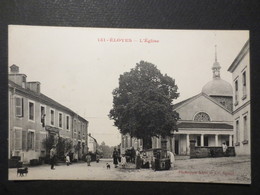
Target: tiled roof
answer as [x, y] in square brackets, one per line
[43, 98]
[208, 125]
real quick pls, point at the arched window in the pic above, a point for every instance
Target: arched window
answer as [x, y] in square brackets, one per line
[202, 117]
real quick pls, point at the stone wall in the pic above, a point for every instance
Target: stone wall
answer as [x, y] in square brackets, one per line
[206, 152]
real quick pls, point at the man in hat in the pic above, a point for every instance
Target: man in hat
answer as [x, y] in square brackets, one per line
[52, 156]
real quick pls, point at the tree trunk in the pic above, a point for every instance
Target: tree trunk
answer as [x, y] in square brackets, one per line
[147, 143]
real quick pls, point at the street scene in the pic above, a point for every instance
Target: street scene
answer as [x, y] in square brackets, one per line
[129, 105]
[231, 169]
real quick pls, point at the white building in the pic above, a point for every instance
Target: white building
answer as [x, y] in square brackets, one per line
[240, 69]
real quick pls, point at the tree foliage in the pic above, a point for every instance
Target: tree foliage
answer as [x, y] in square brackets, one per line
[106, 150]
[142, 104]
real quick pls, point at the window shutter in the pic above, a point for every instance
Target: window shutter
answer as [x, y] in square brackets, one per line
[12, 139]
[18, 139]
[37, 141]
[18, 106]
[28, 140]
[22, 107]
[42, 137]
[24, 140]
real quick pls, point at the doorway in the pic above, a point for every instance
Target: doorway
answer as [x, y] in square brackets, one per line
[176, 147]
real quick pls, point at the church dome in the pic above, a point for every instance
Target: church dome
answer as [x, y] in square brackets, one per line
[218, 87]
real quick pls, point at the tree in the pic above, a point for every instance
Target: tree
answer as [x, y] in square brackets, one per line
[142, 104]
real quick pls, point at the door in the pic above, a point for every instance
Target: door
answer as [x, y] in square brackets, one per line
[176, 147]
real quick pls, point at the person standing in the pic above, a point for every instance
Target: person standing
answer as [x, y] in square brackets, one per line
[68, 159]
[224, 147]
[53, 156]
[172, 159]
[138, 159]
[115, 157]
[133, 154]
[88, 158]
[123, 161]
[119, 155]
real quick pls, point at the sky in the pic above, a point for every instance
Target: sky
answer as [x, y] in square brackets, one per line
[79, 67]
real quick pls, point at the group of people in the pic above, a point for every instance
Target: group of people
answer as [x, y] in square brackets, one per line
[53, 156]
[117, 158]
[141, 160]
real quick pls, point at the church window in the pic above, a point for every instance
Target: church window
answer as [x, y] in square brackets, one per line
[202, 117]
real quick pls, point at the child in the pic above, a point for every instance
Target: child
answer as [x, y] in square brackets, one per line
[123, 161]
[68, 159]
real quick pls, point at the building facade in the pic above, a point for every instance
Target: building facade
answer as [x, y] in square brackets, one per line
[240, 69]
[33, 117]
[205, 118]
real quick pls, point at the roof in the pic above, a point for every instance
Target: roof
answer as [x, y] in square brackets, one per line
[239, 57]
[178, 105]
[218, 87]
[208, 125]
[44, 98]
[183, 102]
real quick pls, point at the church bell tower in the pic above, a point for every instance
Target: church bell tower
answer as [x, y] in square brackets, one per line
[216, 67]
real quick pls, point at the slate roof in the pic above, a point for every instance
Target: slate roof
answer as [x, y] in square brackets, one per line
[202, 125]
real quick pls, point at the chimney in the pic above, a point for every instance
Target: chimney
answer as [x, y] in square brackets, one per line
[16, 77]
[34, 86]
[14, 69]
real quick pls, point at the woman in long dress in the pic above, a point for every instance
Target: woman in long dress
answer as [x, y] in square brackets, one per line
[138, 159]
[115, 157]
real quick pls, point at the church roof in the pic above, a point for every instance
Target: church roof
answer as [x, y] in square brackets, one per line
[218, 87]
[208, 125]
[182, 102]
[178, 105]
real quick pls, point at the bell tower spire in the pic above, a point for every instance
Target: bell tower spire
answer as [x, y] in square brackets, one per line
[216, 67]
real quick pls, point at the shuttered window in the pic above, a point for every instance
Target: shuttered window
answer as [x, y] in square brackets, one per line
[31, 111]
[37, 141]
[67, 122]
[18, 139]
[24, 140]
[30, 140]
[19, 106]
[42, 137]
[60, 120]
[52, 117]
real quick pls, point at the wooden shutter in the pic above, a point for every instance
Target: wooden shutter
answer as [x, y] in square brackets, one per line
[18, 139]
[24, 140]
[18, 107]
[42, 137]
[37, 141]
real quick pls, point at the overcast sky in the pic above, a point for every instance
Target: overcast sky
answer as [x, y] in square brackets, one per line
[80, 72]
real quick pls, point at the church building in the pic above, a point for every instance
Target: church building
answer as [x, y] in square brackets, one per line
[205, 118]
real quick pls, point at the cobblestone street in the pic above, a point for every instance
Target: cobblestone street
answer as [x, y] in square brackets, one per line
[219, 170]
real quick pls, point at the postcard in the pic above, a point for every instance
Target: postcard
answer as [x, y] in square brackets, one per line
[129, 104]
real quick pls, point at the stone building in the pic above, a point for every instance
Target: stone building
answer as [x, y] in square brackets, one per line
[205, 118]
[33, 117]
[240, 69]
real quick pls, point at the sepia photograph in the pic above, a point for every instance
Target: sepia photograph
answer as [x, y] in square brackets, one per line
[118, 104]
